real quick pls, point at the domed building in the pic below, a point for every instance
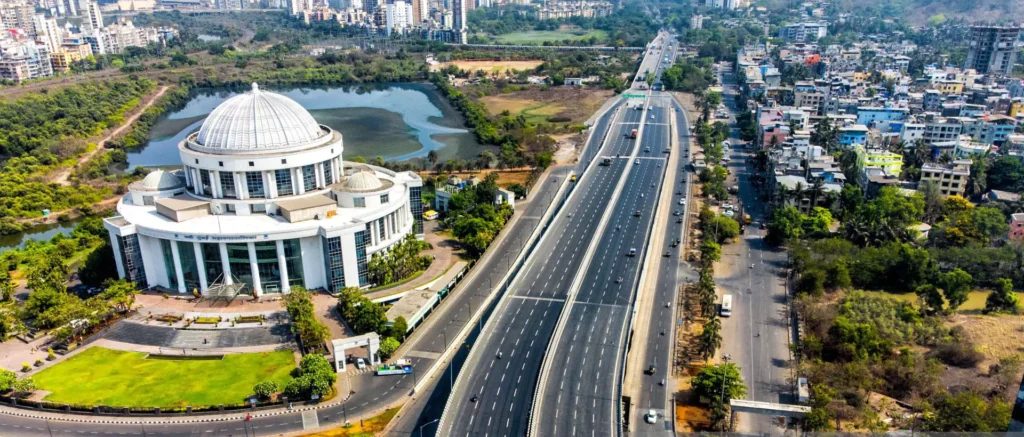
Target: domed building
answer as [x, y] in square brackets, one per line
[263, 202]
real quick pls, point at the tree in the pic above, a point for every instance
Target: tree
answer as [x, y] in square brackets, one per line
[399, 328]
[721, 228]
[388, 346]
[369, 316]
[7, 286]
[120, 294]
[7, 379]
[24, 386]
[718, 382]
[264, 390]
[1006, 174]
[956, 284]
[432, 157]
[930, 297]
[710, 252]
[50, 273]
[967, 411]
[1002, 299]
[316, 376]
[710, 339]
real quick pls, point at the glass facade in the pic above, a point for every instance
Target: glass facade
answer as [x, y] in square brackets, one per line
[238, 258]
[384, 199]
[212, 263]
[359, 202]
[333, 264]
[266, 262]
[328, 174]
[293, 260]
[362, 240]
[131, 259]
[380, 230]
[416, 206]
[204, 177]
[254, 181]
[284, 182]
[227, 185]
[172, 276]
[189, 268]
[309, 177]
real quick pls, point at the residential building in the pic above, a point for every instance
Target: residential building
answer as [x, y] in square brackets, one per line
[992, 49]
[804, 32]
[856, 134]
[567, 9]
[951, 179]
[938, 129]
[870, 157]
[17, 14]
[696, 21]
[869, 115]
[231, 5]
[115, 38]
[969, 149]
[398, 16]
[1016, 226]
[459, 25]
[47, 32]
[263, 203]
[92, 20]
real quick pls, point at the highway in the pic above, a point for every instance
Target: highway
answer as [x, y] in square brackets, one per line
[580, 393]
[670, 272]
[370, 392]
[533, 303]
[756, 337]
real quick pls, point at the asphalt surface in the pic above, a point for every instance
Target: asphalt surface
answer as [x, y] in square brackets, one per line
[525, 319]
[581, 393]
[756, 337]
[671, 272]
[369, 392]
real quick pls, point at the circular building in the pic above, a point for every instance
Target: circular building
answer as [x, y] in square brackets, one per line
[263, 202]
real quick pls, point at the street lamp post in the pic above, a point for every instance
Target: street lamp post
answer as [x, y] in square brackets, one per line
[425, 424]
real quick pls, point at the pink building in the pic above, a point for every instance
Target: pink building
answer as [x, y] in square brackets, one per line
[1017, 226]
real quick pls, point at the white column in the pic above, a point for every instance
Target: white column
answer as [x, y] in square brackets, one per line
[225, 265]
[197, 181]
[265, 175]
[218, 191]
[271, 188]
[318, 170]
[201, 265]
[282, 264]
[176, 256]
[257, 288]
[240, 186]
[299, 187]
[118, 256]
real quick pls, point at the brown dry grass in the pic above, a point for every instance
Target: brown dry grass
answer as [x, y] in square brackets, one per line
[994, 336]
[505, 177]
[576, 104]
[490, 66]
[368, 427]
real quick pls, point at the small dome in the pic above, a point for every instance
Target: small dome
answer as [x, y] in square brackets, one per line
[362, 180]
[160, 180]
[258, 121]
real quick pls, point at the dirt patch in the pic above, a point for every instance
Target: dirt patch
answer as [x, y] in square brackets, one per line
[505, 177]
[568, 104]
[490, 66]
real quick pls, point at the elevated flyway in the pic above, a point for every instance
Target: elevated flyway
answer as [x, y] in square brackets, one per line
[578, 393]
[493, 395]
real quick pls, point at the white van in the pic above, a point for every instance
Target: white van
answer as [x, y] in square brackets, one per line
[726, 305]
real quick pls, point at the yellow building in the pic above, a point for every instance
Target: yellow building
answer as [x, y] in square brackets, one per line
[950, 87]
[1016, 108]
[62, 60]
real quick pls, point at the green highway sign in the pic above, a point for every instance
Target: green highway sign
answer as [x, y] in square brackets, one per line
[633, 96]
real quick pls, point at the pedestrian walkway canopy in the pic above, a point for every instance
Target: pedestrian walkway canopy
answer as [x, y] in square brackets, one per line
[745, 406]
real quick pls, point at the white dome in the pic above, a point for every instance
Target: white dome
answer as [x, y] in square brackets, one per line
[362, 181]
[258, 121]
[160, 180]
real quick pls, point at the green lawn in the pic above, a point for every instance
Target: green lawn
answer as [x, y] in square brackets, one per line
[539, 36]
[101, 376]
[974, 304]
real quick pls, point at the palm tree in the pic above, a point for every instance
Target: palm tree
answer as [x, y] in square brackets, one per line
[798, 193]
[816, 190]
[782, 195]
[710, 339]
[432, 157]
[945, 158]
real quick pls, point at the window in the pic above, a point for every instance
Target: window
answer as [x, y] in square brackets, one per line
[328, 175]
[416, 207]
[227, 185]
[309, 177]
[293, 259]
[189, 269]
[229, 207]
[204, 178]
[131, 259]
[333, 263]
[269, 269]
[254, 181]
[238, 261]
[359, 202]
[362, 240]
[380, 229]
[220, 163]
[383, 199]
[212, 263]
[259, 207]
[284, 161]
[172, 275]
[284, 182]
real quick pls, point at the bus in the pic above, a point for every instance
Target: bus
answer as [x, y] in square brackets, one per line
[726, 305]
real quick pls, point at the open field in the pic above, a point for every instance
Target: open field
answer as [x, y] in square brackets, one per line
[490, 66]
[368, 427]
[99, 376]
[505, 177]
[540, 36]
[573, 104]
[975, 300]
[995, 336]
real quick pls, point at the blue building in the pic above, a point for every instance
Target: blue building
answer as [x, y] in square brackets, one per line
[867, 115]
[856, 134]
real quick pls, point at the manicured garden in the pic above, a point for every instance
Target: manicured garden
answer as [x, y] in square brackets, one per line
[101, 376]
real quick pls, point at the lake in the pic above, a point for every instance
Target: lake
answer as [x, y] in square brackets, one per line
[395, 121]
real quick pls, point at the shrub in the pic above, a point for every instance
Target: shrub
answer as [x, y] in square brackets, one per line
[25, 367]
[49, 354]
[39, 362]
[959, 353]
[265, 389]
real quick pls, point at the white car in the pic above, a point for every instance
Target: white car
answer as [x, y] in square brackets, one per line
[360, 364]
[651, 416]
[729, 213]
[682, 201]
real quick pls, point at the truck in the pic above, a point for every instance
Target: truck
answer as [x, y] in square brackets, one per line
[632, 134]
[726, 306]
[399, 367]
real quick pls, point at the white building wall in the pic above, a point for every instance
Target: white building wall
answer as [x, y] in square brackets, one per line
[153, 260]
[313, 263]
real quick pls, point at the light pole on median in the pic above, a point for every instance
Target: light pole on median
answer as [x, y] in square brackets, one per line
[425, 424]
